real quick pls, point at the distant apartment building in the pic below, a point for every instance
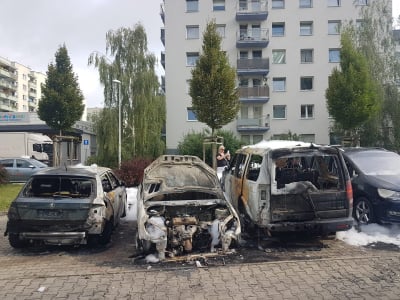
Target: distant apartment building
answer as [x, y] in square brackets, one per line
[20, 87]
[283, 52]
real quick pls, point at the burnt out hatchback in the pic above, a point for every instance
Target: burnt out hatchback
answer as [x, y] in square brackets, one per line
[67, 206]
[182, 209]
[290, 186]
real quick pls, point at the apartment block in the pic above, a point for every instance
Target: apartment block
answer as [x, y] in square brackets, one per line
[20, 87]
[283, 52]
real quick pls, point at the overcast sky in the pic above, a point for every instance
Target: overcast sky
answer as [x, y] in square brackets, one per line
[31, 31]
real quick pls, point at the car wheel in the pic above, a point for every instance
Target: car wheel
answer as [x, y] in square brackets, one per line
[362, 211]
[144, 246]
[15, 241]
[105, 237]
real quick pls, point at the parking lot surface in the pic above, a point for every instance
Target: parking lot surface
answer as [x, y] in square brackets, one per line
[260, 269]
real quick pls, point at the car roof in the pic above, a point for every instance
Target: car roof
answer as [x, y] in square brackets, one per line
[354, 150]
[79, 170]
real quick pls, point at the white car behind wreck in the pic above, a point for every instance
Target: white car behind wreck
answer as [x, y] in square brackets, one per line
[181, 208]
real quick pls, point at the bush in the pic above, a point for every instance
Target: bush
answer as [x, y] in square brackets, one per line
[192, 144]
[3, 175]
[131, 171]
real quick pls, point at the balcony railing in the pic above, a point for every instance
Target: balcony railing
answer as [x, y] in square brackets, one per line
[7, 73]
[7, 84]
[255, 94]
[162, 35]
[8, 97]
[253, 124]
[252, 66]
[252, 10]
[255, 37]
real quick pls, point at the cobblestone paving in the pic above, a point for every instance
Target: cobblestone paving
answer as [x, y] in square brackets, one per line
[333, 271]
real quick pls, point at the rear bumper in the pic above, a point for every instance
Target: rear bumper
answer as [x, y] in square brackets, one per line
[55, 238]
[317, 226]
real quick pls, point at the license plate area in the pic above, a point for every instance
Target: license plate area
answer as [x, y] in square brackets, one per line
[49, 213]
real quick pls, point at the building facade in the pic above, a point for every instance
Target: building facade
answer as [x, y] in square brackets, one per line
[283, 52]
[20, 87]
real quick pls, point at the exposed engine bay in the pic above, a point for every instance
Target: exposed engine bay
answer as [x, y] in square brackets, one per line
[181, 229]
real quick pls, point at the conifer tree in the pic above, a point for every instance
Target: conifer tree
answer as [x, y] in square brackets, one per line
[61, 104]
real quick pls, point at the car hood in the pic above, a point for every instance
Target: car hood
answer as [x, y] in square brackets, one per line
[389, 182]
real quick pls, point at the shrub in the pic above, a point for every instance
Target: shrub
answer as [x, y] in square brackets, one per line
[192, 144]
[3, 175]
[131, 171]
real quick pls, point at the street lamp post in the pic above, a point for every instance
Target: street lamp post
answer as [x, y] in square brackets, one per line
[118, 83]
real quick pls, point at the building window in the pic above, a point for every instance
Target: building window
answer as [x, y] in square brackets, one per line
[218, 5]
[362, 2]
[191, 58]
[279, 111]
[24, 87]
[191, 115]
[306, 55]
[334, 3]
[256, 54]
[306, 83]
[257, 138]
[305, 3]
[192, 5]
[244, 82]
[306, 28]
[279, 84]
[307, 111]
[278, 3]
[278, 56]
[244, 55]
[245, 139]
[333, 27]
[334, 55]
[221, 30]
[278, 29]
[192, 32]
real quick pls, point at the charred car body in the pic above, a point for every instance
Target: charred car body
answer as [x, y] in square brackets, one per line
[67, 206]
[182, 208]
[287, 186]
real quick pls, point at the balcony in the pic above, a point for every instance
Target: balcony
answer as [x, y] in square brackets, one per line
[252, 38]
[253, 66]
[163, 59]
[255, 94]
[7, 85]
[162, 36]
[162, 12]
[8, 73]
[252, 125]
[7, 105]
[252, 11]
[8, 97]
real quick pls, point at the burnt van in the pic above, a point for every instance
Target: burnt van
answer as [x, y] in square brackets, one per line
[290, 186]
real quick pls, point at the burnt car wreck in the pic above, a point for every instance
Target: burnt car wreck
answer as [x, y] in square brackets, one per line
[182, 208]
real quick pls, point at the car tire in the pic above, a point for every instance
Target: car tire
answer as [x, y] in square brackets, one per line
[15, 241]
[363, 212]
[105, 237]
[143, 246]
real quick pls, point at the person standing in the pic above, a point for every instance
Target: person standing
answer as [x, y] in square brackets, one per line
[222, 159]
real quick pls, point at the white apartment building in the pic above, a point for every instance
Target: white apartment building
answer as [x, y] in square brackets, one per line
[20, 87]
[283, 51]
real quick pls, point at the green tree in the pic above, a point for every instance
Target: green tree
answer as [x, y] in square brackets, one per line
[213, 90]
[61, 104]
[215, 99]
[142, 106]
[352, 94]
[375, 40]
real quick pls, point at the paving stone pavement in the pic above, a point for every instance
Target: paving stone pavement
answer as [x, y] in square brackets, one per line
[335, 271]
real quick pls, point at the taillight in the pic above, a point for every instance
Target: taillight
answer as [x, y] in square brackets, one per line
[349, 193]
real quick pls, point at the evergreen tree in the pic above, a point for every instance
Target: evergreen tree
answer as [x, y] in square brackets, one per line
[142, 107]
[213, 90]
[61, 104]
[352, 95]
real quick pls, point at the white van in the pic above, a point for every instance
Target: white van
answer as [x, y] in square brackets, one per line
[286, 186]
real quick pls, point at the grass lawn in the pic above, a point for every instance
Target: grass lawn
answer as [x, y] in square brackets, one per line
[8, 192]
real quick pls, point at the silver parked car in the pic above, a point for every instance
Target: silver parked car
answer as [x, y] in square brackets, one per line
[67, 206]
[181, 208]
[19, 169]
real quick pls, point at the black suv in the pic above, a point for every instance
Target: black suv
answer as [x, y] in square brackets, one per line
[375, 176]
